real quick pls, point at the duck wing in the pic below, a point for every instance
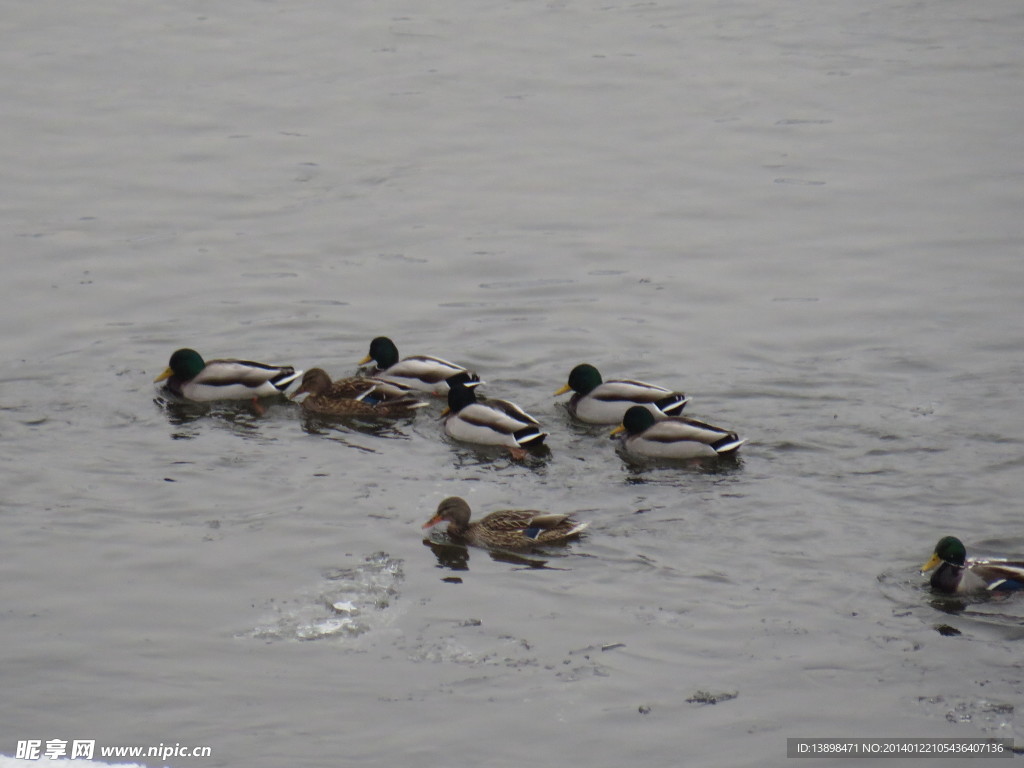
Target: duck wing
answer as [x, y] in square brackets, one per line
[532, 524]
[999, 575]
[246, 373]
[509, 410]
[680, 429]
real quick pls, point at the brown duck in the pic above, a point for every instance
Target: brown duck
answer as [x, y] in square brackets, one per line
[506, 528]
[355, 396]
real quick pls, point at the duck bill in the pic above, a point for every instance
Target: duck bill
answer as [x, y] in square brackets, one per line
[165, 375]
[563, 390]
[445, 412]
[432, 521]
[366, 359]
[933, 562]
[618, 430]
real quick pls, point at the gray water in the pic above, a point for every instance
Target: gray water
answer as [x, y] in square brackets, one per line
[807, 215]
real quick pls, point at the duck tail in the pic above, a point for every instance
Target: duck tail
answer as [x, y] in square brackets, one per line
[286, 379]
[409, 402]
[728, 444]
[672, 405]
[529, 436]
[577, 529]
[534, 531]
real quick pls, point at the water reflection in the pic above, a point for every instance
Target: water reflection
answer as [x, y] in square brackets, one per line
[179, 412]
[455, 557]
[315, 424]
[246, 417]
[639, 466]
[238, 416]
[468, 455]
[451, 556]
[999, 612]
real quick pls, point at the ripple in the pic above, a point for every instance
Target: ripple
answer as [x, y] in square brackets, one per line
[527, 283]
[799, 182]
[798, 121]
[352, 602]
[985, 613]
[992, 717]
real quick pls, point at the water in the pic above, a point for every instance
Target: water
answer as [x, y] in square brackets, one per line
[807, 216]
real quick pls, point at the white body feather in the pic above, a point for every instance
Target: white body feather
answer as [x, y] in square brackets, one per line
[989, 574]
[492, 422]
[609, 401]
[388, 388]
[238, 380]
[421, 372]
[680, 438]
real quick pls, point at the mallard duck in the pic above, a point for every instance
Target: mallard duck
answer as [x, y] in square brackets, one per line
[673, 438]
[506, 528]
[490, 421]
[422, 372]
[353, 396]
[606, 402]
[189, 376]
[956, 573]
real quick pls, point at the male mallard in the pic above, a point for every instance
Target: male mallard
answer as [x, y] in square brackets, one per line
[606, 402]
[422, 372]
[674, 438]
[506, 528]
[958, 573]
[490, 421]
[189, 376]
[354, 396]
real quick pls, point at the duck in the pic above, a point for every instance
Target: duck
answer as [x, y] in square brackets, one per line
[675, 437]
[506, 528]
[490, 421]
[354, 396]
[605, 402]
[189, 376]
[955, 573]
[421, 372]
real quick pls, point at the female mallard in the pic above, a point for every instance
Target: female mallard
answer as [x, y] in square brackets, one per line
[606, 402]
[505, 529]
[490, 421]
[422, 372]
[956, 573]
[189, 376]
[354, 396]
[673, 438]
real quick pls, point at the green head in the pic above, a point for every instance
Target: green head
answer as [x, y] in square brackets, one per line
[459, 395]
[584, 378]
[636, 420]
[951, 550]
[185, 364]
[383, 351]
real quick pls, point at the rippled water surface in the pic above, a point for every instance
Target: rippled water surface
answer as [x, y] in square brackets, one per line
[806, 215]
